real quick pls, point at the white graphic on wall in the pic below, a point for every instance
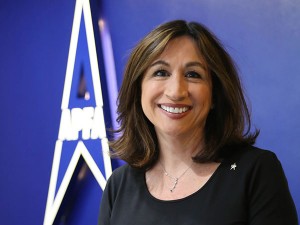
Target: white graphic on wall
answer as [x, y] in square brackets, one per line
[79, 124]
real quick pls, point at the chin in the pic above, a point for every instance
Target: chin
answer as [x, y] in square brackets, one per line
[171, 132]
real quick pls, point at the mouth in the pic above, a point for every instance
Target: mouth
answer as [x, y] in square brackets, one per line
[174, 110]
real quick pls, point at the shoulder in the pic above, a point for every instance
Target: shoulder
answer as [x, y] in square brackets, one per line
[259, 169]
[261, 176]
[266, 187]
[124, 171]
[120, 172]
[256, 167]
[123, 175]
[118, 186]
[251, 156]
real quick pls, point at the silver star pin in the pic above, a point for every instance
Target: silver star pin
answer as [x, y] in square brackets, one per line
[233, 166]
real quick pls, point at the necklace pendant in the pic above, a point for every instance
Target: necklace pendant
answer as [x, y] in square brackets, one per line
[172, 189]
[174, 180]
[174, 185]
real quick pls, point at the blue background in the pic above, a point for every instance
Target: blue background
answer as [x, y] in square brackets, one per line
[261, 35]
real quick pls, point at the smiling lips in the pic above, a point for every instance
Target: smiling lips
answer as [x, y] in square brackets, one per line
[175, 110]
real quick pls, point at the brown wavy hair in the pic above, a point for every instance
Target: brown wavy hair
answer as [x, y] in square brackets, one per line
[228, 124]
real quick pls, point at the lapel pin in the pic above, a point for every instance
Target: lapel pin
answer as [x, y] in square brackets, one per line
[233, 166]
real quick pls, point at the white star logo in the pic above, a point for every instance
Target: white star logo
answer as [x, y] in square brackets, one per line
[79, 126]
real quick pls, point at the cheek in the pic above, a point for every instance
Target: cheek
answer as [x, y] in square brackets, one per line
[150, 92]
[145, 98]
[143, 102]
[204, 98]
[203, 93]
[146, 106]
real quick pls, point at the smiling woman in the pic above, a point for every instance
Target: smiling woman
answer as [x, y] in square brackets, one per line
[228, 123]
[185, 132]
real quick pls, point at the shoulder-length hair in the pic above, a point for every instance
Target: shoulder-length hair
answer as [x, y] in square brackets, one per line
[228, 123]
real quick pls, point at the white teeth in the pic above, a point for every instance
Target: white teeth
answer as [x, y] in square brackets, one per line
[174, 109]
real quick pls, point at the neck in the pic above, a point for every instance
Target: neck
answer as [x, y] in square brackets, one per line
[176, 153]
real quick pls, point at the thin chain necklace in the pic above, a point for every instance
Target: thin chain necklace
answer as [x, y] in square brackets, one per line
[174, 180]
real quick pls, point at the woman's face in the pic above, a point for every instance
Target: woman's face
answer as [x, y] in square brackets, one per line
[177, 90]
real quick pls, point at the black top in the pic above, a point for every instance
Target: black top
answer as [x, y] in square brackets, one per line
[254, 193]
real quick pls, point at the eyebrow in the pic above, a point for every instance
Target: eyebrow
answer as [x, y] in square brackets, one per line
[160, 62]
[190, 64]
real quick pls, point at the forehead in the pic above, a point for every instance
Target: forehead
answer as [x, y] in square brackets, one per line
[183, 47]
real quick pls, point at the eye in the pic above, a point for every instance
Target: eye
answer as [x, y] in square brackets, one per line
[161, 73]
[193, 74]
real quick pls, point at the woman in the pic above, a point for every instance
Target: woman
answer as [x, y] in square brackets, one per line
[185, 133]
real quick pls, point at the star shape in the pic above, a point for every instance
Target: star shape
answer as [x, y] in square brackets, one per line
[233, 166]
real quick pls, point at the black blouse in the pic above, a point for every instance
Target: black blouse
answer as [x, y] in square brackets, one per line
[248, 188]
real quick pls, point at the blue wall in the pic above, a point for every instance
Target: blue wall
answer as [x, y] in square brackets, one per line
[262, 36]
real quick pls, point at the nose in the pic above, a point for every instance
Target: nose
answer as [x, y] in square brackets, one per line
[176, 89]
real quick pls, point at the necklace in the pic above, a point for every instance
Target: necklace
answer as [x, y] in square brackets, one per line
[174, 180]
